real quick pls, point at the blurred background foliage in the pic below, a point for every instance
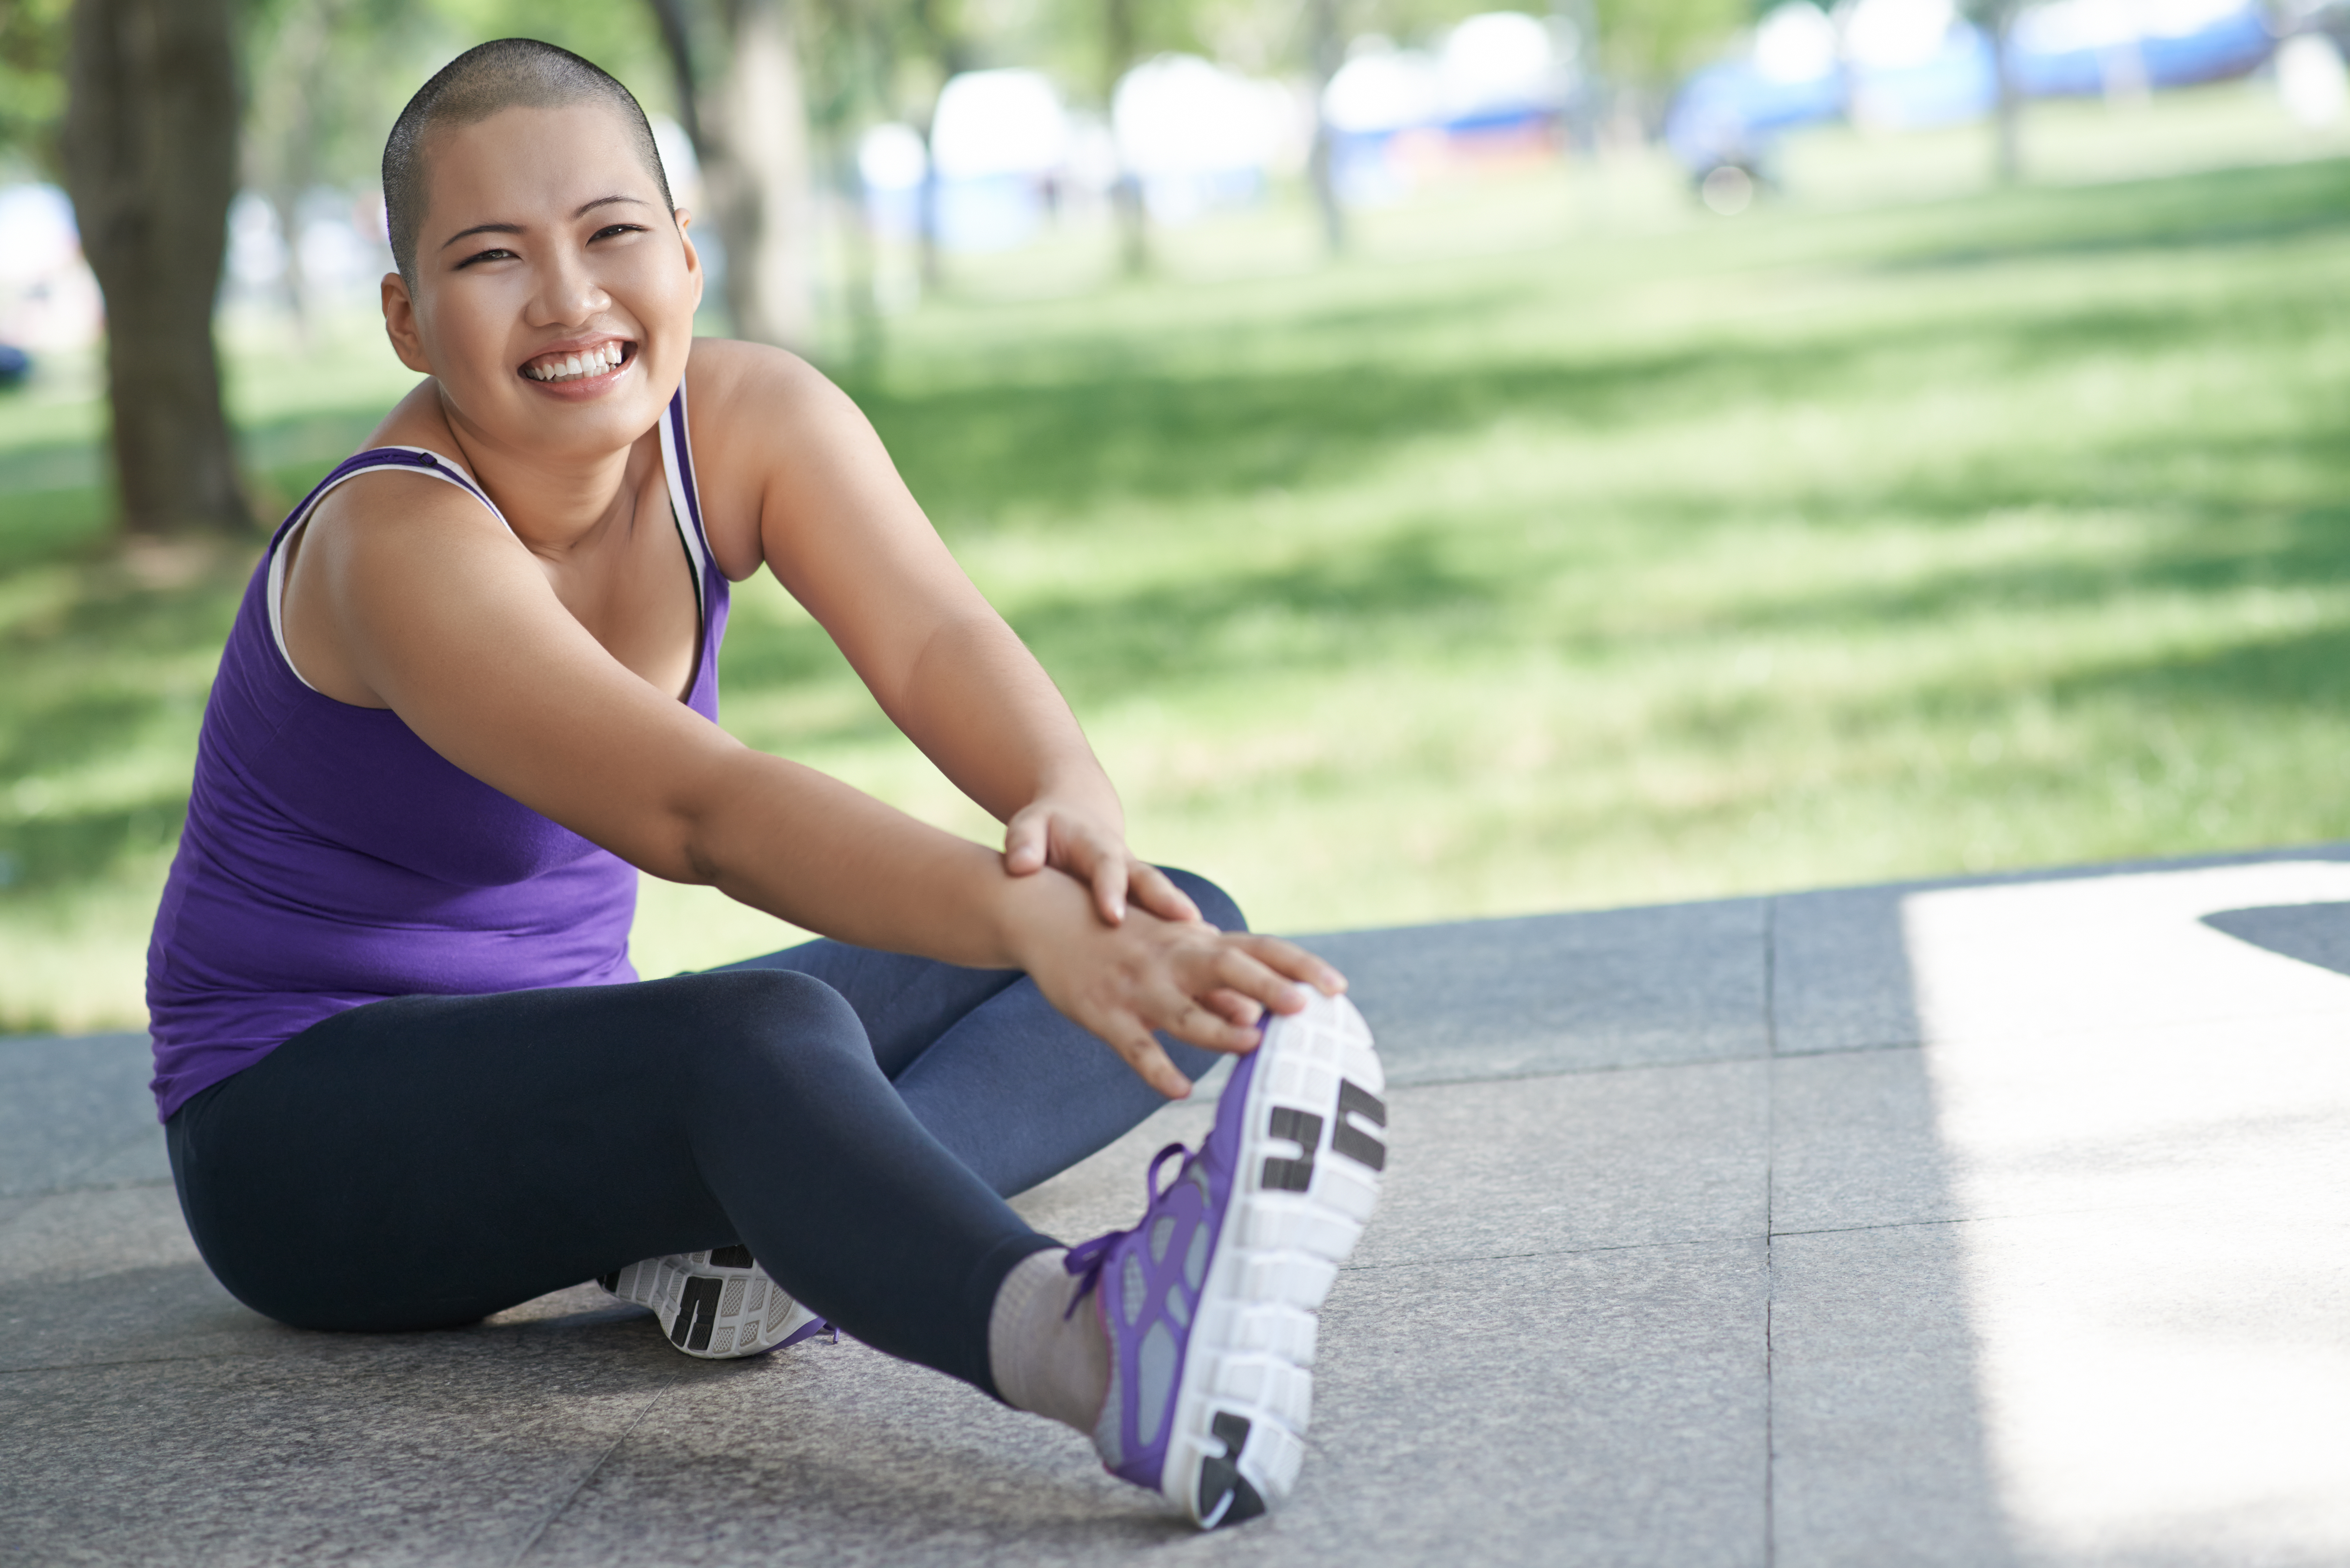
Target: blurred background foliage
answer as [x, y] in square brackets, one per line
[1563, 542]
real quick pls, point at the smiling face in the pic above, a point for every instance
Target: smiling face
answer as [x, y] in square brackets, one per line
[553, 295]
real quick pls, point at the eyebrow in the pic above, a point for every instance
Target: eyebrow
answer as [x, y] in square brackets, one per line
[579, 212]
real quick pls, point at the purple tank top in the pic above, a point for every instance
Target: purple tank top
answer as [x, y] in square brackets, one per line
[331, 858]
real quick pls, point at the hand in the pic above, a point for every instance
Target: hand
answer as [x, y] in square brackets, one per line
[1145, 974]
[1072, 839]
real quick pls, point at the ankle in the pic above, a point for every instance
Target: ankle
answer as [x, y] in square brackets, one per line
[1044, 1356]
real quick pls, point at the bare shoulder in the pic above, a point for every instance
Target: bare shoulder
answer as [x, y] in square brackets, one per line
[377, 529]
[394, 510]
[768, 428]
[733, 385]
[377, 548]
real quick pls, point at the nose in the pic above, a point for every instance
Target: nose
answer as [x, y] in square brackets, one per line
[568, 292]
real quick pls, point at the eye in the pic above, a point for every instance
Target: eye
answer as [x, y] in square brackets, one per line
[616, 229]
[497, 253]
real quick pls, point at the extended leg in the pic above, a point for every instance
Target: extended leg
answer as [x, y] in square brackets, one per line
[1014, 1090]
[425, 1161]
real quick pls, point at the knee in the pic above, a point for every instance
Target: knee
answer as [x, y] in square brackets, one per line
[1215, 904]
[739, 1028]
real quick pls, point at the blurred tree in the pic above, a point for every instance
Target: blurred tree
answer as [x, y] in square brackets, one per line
[1120, 41]
[1997, 20]
[850, 50]
[1648, 43]
[33, 81]
[945, 45]
[1326, 53]
[750, 132]
[323, 92]
[150, 155]
[1120, 35]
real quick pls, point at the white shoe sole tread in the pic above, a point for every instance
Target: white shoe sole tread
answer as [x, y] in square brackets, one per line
[1280, 1250]
[746, 1312]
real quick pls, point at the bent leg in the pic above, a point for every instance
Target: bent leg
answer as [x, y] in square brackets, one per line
[425, 1161]
[1013, 1089]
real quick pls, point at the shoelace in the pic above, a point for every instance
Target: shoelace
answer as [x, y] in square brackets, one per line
[1087, 1258]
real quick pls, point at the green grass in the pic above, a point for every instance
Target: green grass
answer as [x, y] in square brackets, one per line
[1570, 547]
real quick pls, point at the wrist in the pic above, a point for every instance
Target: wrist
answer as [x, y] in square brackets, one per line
[1025, 911]
[1087, 790]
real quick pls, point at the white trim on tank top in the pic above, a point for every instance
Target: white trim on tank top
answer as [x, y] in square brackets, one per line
[686, 511]
[443, 470]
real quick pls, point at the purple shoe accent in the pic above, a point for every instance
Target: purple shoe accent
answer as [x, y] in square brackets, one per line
[807, 1330]
[1147, 1283]
[1210, 1304]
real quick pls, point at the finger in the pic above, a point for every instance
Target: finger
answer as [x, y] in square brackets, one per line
[1024, 845]
[1156, 891]
[1109, 888]
[1289, 958]
[1246, 1012]
[1196, 1023]
[1143, 1053]
[1235, 969]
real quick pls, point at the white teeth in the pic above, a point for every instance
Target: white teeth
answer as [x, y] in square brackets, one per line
[594, 362]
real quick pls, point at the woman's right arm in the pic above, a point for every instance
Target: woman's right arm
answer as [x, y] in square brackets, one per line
[440, 614]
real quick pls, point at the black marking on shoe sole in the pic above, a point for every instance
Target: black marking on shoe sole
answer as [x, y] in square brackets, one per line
[1352, 1141]
[610, 1282]
[740, 1256]
[1303, 1128]
[1220, 1476]
[697, 1314]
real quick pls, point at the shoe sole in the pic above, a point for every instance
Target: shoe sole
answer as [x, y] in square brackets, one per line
[1313, 1147]
[715, 1305]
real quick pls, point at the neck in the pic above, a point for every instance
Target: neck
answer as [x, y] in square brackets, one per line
[556, 502]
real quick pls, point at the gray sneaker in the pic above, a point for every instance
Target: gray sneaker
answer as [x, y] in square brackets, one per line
[717, 1305]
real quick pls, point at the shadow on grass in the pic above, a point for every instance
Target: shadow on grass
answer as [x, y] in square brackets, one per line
[2302, 669]
[1393, 596]
[1326, 394]
[2223, 209]
[100, 672]
[970, 454]
[63, 849]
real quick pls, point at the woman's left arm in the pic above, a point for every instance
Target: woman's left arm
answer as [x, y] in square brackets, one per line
[793, 476]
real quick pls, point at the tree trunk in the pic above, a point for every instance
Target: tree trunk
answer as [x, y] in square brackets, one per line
[2007, 108]
[1329, 53]
[758, 121]
[150, 158]
[951, 51]
[1126, 190]
[751, 135]
[677, 41]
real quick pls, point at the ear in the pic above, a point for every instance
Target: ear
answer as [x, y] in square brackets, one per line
[399, 324]
[692, 257]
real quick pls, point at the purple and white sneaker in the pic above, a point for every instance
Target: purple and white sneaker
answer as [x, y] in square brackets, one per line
[1210, 1301]
[716, 1305]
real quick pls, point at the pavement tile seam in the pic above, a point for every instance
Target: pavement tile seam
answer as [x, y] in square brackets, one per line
[1770, 1509]
[59, 1191]
[1594, 1070]
[1796, 1053]
[587, 1476]
[1684, 1242]
[1979, 1219]
[38, 1366]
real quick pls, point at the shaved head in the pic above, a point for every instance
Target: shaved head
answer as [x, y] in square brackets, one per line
[508, 73]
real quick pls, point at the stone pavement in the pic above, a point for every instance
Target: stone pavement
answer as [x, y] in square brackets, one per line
[1997, 1221]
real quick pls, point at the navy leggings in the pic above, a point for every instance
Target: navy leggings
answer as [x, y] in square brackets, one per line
[857, 1118]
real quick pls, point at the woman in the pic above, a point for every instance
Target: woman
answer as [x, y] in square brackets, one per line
[406, 1074]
